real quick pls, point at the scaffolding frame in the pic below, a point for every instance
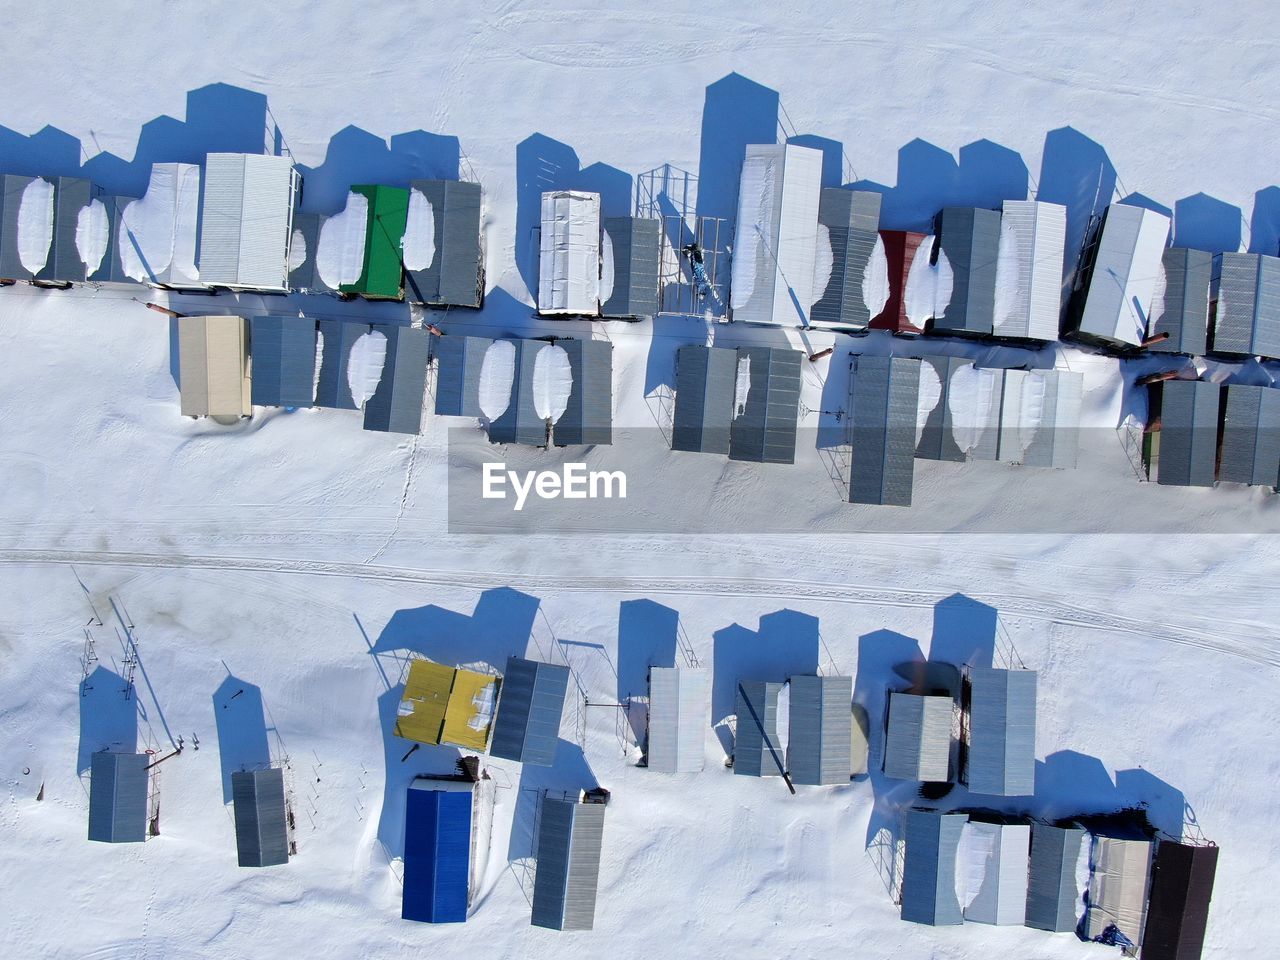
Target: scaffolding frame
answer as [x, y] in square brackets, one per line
[670, 195]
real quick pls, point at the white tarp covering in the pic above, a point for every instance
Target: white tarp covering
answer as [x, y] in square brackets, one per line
[419, 243]
[497, 374]
[35, 224]
[93, 234]
[875, 281]
[569, 253]
[756, 205]
[340, 249]
[928, 288]
[973, 399]
[552, 381]
[973, 853]
[297, 251]
[1040, 417]
[364, 367]
[991, 872]
[157, 236]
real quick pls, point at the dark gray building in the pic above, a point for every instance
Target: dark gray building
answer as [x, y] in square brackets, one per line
[570, 835]
[396, 405]
[852, 219]
[333, 389]
[1181, 442]
[1250, 451]
[262, 832]
[459, 360]
[64, 264]
[119, 786]
[937, 438]
[304, 275]
[13, 248]
[764, 430]
[1185, 313]
[1052, 889]
[929, 868]
[757, 750]
[705, 378]
[820, 736]
[1000, 755]
[884, 396]
[918, 737]
[108, 267]
[637, 253]
[520, 422]
[970, 239]
[284, 361]
[455, 275]
[1246, 306]
[527, 724]
[588, 418]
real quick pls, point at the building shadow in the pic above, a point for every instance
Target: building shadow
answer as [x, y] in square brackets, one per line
[735, 112]
[569, 774]
[964, 632]
[358, 156]
[1202, 222]
[784, 643]
[647, 634]
[242, 729]
[1165, 804]
[1146, 203]
[833, 418]
[1264, 225]
[498, 627]
[108, 716]
[1075, 172]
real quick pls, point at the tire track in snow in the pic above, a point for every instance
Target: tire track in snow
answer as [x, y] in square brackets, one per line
[1266, 651]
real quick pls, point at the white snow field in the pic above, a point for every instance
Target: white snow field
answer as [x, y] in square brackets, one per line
[299, 557]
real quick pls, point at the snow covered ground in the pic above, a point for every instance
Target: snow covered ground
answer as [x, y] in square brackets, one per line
[300, 557]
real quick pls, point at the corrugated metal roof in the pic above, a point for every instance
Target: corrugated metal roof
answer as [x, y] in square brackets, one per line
[929, 868]
[1184, 314]
[937, 439]
[569, 253]
[564, 886]
[520, 422]
[458, 363]
[1001, 754]
[71, 195]
[637, 251]
[1178, 912]
[1246, 316]
[588, 419]
[246, 220]
[333, 389]
[176, 188]
[1001, 897]
[262, 837]
[396, 405]
[1188, 432]
[212, 372]
[110, 269]
[118, 788]
[679, 711]
[820, 722]
[970, 239]
[1123, 277]
[765, 430]
[11, 266]
[1250, 451]
[1035, 232]
[757, 750]
[455, 276]
[1117, 892]
[527, 725]
[305, 277]
[705, 380]
[442, 704]
[437, 851]
[918, 740]
[884, 395]
[1040, 417]
[284, 361]
[382, 275]
[852, 218]
[1052, 893]
[900, 250]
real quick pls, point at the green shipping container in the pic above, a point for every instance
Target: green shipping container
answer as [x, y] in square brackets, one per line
[382, 276]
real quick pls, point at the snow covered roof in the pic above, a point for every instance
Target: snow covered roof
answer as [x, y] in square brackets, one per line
[1040, 417]
[262, 833]
[443, 704]
[568, 849]
[71, 197]
[381, 272]
[118, 797]
[1178, 911]
[459, 360]
[588, 413]
[527, 724]
[970, 240]
[1053, 885]
[1250, 451]
[900, 251]
[333, 386]
[246, 220]
[304, 247]
[850, 219]
[437, 850]
[569, 253]
[1183, 311]
[775, 235]
[1117, 891]
[1184, 448]
[1124, 272]
[521, 422]
[443, 259]
[918, 739]
[284, 361]
[992, 867]
[820, 736]
[396, 404]
[1028, 300]
[98, 237]
[929, 867]
[757, 751]
[1001, 755]
[705, 379]
[213, 378]
[26, 226]
[679, 712]
[937, 435]
[158, 235]
[884, 395]
[1246, 315]
[763, 430]
[630, 262]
